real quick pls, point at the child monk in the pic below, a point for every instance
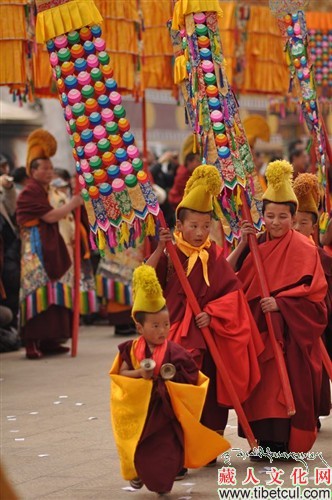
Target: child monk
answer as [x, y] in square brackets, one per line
[157, 395]
[219, 294]
[298, 288]
[306, 188]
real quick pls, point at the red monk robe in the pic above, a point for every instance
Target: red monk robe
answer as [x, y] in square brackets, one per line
[325, 399]
[232, 326]
[44, 258]
[297, 282]
[159, 455]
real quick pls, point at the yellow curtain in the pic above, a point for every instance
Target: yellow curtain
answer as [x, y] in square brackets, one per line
[13, 38]
[150, 66]
[266, 70]
[157, 71]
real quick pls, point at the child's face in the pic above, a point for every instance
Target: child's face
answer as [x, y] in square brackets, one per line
[155, 328]
[304, 223]
[278, 219]
[195, 228]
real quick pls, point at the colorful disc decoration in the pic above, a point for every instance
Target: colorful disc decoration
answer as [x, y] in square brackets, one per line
[118, 196]
[301, 60]
[212, 110]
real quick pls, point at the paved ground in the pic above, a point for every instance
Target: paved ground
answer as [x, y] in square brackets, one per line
[56, 436]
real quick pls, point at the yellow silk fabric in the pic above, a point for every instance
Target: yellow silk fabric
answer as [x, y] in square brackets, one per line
[187, 402]
[194, 253]
[66, 17]
[130, 400]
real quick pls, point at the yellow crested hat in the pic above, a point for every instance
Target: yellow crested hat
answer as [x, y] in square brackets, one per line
[279, 176]
[256, 127]
[147, 292]
[202, 190]
[306, 188]
[41, 144]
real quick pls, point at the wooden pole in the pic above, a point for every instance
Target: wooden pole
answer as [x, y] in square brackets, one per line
[265, 292]
[209, 340]
[77, 273]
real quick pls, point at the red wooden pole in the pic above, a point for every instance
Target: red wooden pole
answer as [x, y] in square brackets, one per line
[77, 273]
[209, 340]
[278, 354]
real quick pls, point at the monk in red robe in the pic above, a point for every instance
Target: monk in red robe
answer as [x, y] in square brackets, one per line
[156, 431]
[307, 191]
[298, 288]
[219, 294]
[45, 260]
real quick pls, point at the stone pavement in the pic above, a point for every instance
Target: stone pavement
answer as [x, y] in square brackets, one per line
[56, 436]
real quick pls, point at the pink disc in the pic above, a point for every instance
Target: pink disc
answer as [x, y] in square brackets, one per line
[54, 59]
[115, 98]
[68, 113]
[100, 44]
[84, 78]
[81, 181]
[107, 115]
[92, 61]
[118, 185]
[297, 29]
[216, 116]
[200, 18]
[85, 167]
[126, 168]
[99, 132]
[61, 41]
[306, 73]
[90, 149]
[74, 96]
[207, 66]
[132, 152]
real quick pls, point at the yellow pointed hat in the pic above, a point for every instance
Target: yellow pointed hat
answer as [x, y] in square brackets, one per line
[279, 176]
[306, 188]
[41, 144]
[202, 190]
[256, 127]
[147, 292]
[187, 148]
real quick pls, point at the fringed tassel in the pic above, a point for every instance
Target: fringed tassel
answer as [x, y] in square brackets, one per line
[221, 78]
[233, 142]
[238, 197]
[132, 238]
[225, 202]
[226, 112]
[150, 228]
[124, 234]
[92, 241]
[237, 130]
[101, 242]
[111, 237]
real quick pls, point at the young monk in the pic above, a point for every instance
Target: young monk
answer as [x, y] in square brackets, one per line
[157, 395]
[306, 188]
[298, 288]
[219, 294]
